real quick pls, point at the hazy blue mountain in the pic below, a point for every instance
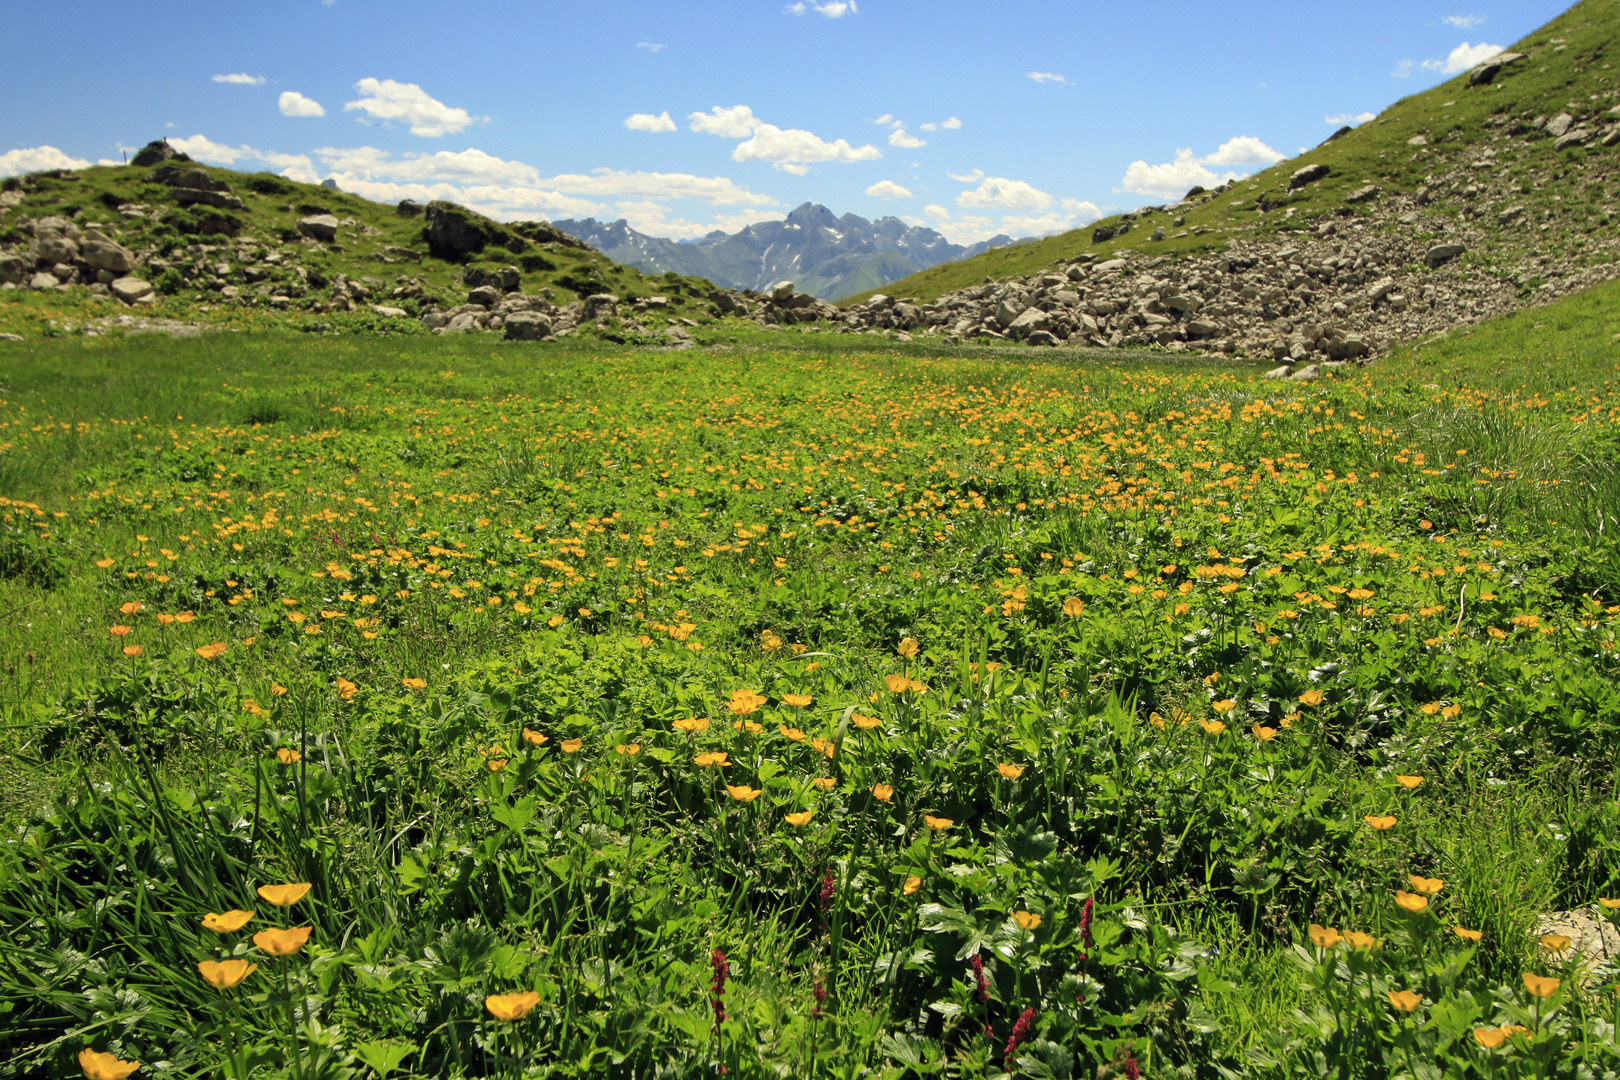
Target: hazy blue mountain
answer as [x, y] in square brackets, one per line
[822, 254]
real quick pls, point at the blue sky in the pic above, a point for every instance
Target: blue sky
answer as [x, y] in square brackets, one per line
[686, 117]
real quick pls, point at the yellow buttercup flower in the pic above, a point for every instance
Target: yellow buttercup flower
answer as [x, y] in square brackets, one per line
[288, 756]
[225, 974]
[227, 923]
[744, 702]
[798, 701]
[747, 725]
[882, 792]
[1491, 1038]
[1467, 934]
[1010, 772]
[414, 684]
[801, 818]
[1212, 727]
[1074, 607]
[1428, 886]
[1555, 942]
[938, 824]
[1411, 901]
[346, 689]
[1263, 733]
[691, 725]
[1026, 920]
[897, 684]
[1225, 706]
[865, 723]
[571, 746]
[825, 783]
[1408, 781]
[1324, 937]
[911, 885]
[1311, 697]
[1540, 985]
[283, 895]
[792, 734]
[534, 738]
[99, 1066]
[1379, 824]
[282, 942]
[627, 749]
[711, 758]
[509, 1007]
[1359, 940]
[1608, 904]
[1405, 1000]
[744, 793]
[908, 647]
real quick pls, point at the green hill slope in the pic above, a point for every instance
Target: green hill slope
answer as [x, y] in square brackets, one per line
[1565, 191]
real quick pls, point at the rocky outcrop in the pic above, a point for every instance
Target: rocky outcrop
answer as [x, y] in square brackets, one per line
[453, 232]
[319, 227]
[156, 152]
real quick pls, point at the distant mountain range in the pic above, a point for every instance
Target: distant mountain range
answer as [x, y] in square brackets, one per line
[824, 255]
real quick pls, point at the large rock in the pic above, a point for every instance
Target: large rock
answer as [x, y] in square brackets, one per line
[12, 269]
[42, 280]
[1362, 194]
[781, 291]
[527, 326]
[1308, 175]
[156, 152]
[100, 253]
[484, 296]
[1187, 305]
[224, 200]
[54, 247]
[130, 289]
[1573, 137]
[454, 232]
[1008, 310]
[388, 312]
[1440, 254]
[1559, 125]
[408, 208]
[1111, 265]
[1031, 320]
[601, 304]
[501, 278]
[1489, 70]
[322, 227]
[463, 322]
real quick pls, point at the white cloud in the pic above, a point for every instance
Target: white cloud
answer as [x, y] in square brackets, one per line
[385, 99]
[295, 104]
[885, 120]
[653, 218]
[649, 123]
[927, 127]
[888, 189]
[294, 166]
[937, 212]
[998, 193]
[1462, 58]
[834, 9]
[1172, 179]
[1047, 77]
[1243, 150]
[241, 78]
[971, 228]
[651, 46]
[737, 122]
[1345, 118]
[970, 178]
[37, 159]
[898, 137]
[1462, 22]
[952, 124]
[793, 149]
[1403, 68]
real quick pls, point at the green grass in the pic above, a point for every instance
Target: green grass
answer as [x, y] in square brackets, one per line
[1204, 619]
[1574, 185]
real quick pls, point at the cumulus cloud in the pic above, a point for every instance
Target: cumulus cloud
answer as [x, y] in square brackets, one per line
[1047, 77]
[385, 99]
[999, 193]
[653, 218]
[1338, 119]
[293, 166]
[651, 46]
[1462, 58]
[241, 78]
[937, 212]
[1173, 179]
[295, 104]
[953, 124]
[888, 189]
[648, 122]
[969, 178]
[737, 122]
[898, 137]
[834, 9]
[791, 149]
[1462, 22]
[36, 159]
[1403, 68]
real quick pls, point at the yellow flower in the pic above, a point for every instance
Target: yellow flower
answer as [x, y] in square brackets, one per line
[1491, 1038]
[705, 760]
[938, 824]
[1540, 985]
[1358, 940]
[882, 792]
[823, 746]
[1324, 937]
[798, 701]
[1212, 727]
[104, 563]
[1026, 920]
[1311, 697]
[414, 684]
[555, 621]
[627, 749]
[1224, 707]
[691, 725]
[534, 738]
[226, 973]
[283, 895]
[1408, 781]
[1467, 934]
[912, 884]
[641, 639]
[898, 684]
[1379, 824]
[1074, 607]
[1428, 886]
[865, 723]
[346, 689]
[1555, 942]
[792, 734]
[1010, 772]
[134, 650]
[1405, 1000]
[495, 764]
[908, 647]
[801, 818]
[1609, 905]
[1411, 901]
[509, 1007]
[571, 746]
[228, 923]
[744, 702]
[288, 756]
[282, 942]
[99, 1066]
[825, 783]
[212, 651]
[743, 793]
[1263, 733]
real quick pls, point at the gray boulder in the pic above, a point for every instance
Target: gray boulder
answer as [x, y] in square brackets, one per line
[1199, 328]
[389, 312]
[1440, 254]
[503, 278]
[224, 200]
[99, 253]
[1187, 305]
[130, 289]
[1029, 321]
[453, 232]
[484, 296]
[1574, 137]
[1559, 125]
[156, 152]
[434, 320]
[1613, 137]
[1489, 70]
[322, 227]
[1042, 337]
[1110, 265]
[1363, 194]
[1007, 311]
[782, 290]
[12, 269]
[43, 280]
[408, 208]
[1307, 175]
[527, 326]
[1510, 215]
[601, 304]
[465, 321]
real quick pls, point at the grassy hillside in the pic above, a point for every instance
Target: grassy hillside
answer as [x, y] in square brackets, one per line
[181, 250]
[1570, 68]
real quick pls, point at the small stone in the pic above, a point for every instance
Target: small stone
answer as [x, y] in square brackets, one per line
[1559, 125]
[1575, 137]
[1440, 254]
[389, 312]
[1362, 194]
[1417, 140]
[43, 280]
[130, 289]
[322, 227]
